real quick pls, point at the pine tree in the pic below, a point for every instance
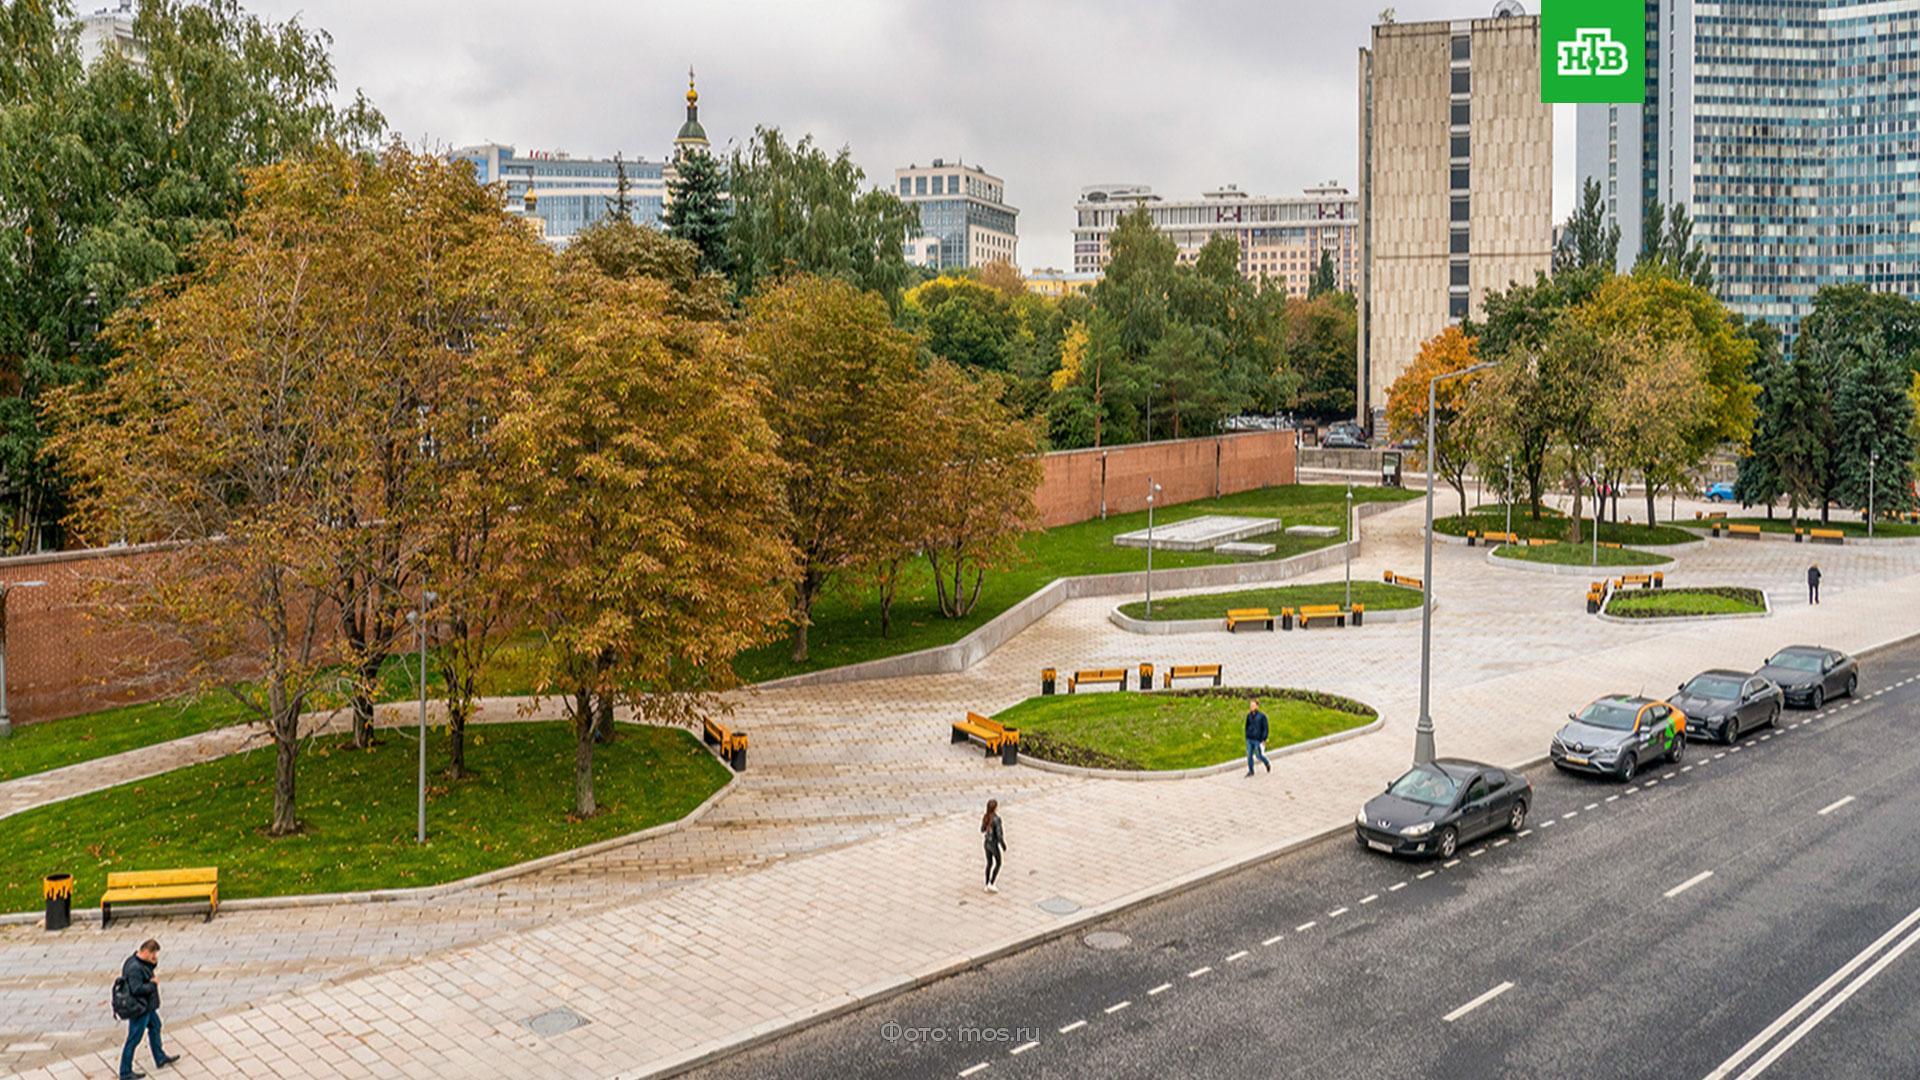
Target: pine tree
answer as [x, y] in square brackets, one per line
[697, 209]
[620, 203]
[1589, 240]
[1873, 428]
[1667, 246]
[1324, 280]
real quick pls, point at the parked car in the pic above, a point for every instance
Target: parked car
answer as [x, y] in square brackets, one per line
[1719, 492]
[1617, 734]
[1724, 705]
[1343, 440]
[1810, 674]
[1434, 808]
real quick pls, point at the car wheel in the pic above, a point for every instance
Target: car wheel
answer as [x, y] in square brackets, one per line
[1819, 698]
[1730, 734]
[1853, 683]
[1773, 718]
[1517, 817]
[1449, 842]
[1679, 750]
[1628, 766]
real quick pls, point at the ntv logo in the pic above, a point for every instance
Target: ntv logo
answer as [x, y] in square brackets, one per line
[1593, 52]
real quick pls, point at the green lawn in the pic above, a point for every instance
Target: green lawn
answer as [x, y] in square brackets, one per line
[1851, 528]
[358, 809]
[846, 626]
[1374, 595]
[1579, 555]
[1178, 729]
[1671, 603]
[1552, 525]
[38, 747]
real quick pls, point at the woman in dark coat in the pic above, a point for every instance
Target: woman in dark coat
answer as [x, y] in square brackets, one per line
[996, 842]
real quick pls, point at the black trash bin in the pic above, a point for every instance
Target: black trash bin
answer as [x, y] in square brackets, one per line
[1047, 677]
[58, 889]
[1010, 752]
[1146, 676]
[739, 758]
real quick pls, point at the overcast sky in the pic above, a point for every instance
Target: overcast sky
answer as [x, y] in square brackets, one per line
[1051, 95]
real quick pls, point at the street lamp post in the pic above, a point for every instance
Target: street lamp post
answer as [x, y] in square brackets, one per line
[6, 718]
[1152, 490]
[1873, 458]
[1596, 514]
[1348, 544]
[419, 621]
[1509, 496]
[1423, 734]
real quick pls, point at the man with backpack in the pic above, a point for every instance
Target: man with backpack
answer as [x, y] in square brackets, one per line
[136, 999]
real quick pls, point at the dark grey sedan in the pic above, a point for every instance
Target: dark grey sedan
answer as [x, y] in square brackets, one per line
[1724, 705]
[1810, 675]
[1434, 808]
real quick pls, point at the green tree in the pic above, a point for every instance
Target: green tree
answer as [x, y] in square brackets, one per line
[111, 174]
[1667, 245]
[697, 208]
[1321, 338]
[620, 203]
[796, 209]
[1873, 423]
[621, 249]
[1839, 310]
[1797, 435]
[965, 321]
[1589, 240]
[1757, 481]
[1324, 280]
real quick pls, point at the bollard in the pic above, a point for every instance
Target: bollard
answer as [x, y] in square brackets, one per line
[58, 890]
[1146, 676]
[1047, 676]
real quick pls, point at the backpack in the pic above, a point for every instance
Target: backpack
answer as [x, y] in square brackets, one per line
[124, 1007]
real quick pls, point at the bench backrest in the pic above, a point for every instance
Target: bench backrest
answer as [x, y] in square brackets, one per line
[1248, 613]
[1320, 609]
[141, 879]
[1111, 674]
[1754, 529]
[1181, 671]
[986, 722]
[1826, 534]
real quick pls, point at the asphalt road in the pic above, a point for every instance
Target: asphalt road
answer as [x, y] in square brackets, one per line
[1757, 908]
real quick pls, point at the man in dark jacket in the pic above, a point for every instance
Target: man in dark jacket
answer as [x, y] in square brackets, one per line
[143, 1013]
[1256, 737]
[1813, 584]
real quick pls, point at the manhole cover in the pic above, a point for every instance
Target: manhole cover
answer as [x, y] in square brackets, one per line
[1107, 940]
[554, 1022]
[1059, 905]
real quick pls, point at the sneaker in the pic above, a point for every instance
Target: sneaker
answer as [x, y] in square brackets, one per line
[993, 888]
[135, 1075]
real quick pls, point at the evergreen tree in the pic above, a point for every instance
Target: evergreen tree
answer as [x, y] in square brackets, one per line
[1799, 434]
[1324, 280]
[1588, 240]
[620, 203]
[1758, 481]
[1667, 246]
[1873, 419]
[797, 208]
[697, 209]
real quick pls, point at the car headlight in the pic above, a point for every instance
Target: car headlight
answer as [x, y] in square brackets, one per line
[1421, 829]
[1361, 817]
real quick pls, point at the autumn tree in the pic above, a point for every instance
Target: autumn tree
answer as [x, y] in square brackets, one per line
[1449, 351]
[839, 375]
[975, 481]
[622, 249]
[647, 524]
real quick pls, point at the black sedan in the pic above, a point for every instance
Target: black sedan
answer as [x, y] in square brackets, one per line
[1724, 705]
[1436, 807]
[1810, 675]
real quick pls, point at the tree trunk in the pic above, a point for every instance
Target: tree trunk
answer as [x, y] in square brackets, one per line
[1650, 497]
[457, 740]
[286, 739]
[583, 725]
[603, 719]
[803, 593]
[889, 581]
[1573, 519]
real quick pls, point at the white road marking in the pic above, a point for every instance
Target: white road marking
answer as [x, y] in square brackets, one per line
[1547, 824]
[1396, 886]
[1687, 884]
[1306, 926]
[1666, 775]
[1075, 1026]
[1450, 864]
[1197, 972]
[1477, 1002]
[1687, 769]
[1651, 783]
[1425, 876]
[1831, 807]
[1719, 755]
[1741, 1055]
[1610, 798]
[1024, 1047]
[971, 1069]
[1476, 853]
[1161, 989]
[1273, 939]
[1735, 750]
[1370, 898]
[1568, 814]
[1336, 913]
[1630, 790]
[1502, 841]
[1524, 832]
[1591, 806]
[1117, 1006]
[1765, 737]
[1237, 956]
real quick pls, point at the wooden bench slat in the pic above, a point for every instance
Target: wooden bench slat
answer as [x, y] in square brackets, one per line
[136, 879]
[158, 892]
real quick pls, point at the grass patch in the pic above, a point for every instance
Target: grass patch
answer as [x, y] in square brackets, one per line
[1374, 595]
[1552, 525]
[1889, 529]
[1579, 555]
[1172, 729]
[358, 809]
[36, 748]
[846, 622]
[1675, 603]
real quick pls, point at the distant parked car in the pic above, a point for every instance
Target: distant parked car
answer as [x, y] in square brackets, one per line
[1722, 704]
[1343, 440]
[1810, 675]
[1720, 492]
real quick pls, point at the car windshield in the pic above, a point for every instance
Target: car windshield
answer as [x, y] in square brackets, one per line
[1613, 715]
[1796, 661]
[1714, 686]
[1429, 786]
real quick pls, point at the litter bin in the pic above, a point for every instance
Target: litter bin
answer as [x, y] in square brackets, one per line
[1146, 676]
[1309, 435]
[1390, 469]
[1010, 752]
[1359, 614]
[58, 889]
[739, 758]
[1286, 618]
[1047, 677]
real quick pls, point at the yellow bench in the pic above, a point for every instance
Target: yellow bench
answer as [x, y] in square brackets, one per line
[1540, 541]
[1191, 671]
[1401, 580]
[160, 886]
[1655, 580]
[1097, 677]
[1236, 616]
[732, 744]
[1500, 537]
[998, 738]
[1596, 597]
[1831, 536]
[1709, 515]
[1322, 612]
[1751, 532]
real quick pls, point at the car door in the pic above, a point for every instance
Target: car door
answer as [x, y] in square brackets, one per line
[1655, 720]
[1756, 703]
[1476, 807]
[1831, 677]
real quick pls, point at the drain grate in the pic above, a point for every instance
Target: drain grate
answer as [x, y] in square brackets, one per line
[1059, 905]
[555, 1022]
[1107, 940]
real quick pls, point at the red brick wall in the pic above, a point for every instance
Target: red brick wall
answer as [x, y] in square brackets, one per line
[1076, 482]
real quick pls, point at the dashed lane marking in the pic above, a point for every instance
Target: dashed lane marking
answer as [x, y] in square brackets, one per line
[1336, 913]
[1591, 806]
[1610, 798]
[1197, 972]
[1568, 814]
[1547, 824]
[1273, 939]
[1369, 898]
[1476, 853]
[1425, 875]
[1687, 884]
[1524, 832]
[1477, 1002]
[1236, 957]
[1161, 989]
[1396, 886]
[1024, 1047]
[1450, 864]
[1117, 1006]
[1687, 769]
[971, 1069]
[1500, 843]
[1306, 926]
[1075, 1026]
[1831, 807]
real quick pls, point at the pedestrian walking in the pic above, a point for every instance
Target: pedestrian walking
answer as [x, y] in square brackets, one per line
[1256, 737]
[996, 841]
[136, 999]
[1813, 584]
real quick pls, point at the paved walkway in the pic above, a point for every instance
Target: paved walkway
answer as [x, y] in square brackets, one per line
[843, 866]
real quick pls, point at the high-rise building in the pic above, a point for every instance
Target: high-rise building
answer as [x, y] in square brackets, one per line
[1787, 128]
[567, 193]
[110, 28]
[964, 216]
[1456, 181]
[1281, 238]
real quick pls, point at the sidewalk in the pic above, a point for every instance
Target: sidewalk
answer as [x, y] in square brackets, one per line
[884, 891]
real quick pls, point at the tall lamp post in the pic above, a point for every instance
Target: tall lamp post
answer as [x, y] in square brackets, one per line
[1873, 458]
[1152, 490]
[1423, 735]
[419, 621]
[1509, 495]
[1596, 514]
[1348, 544]
[6, 718]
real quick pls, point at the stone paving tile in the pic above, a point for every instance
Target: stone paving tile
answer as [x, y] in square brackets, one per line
[816, 878]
